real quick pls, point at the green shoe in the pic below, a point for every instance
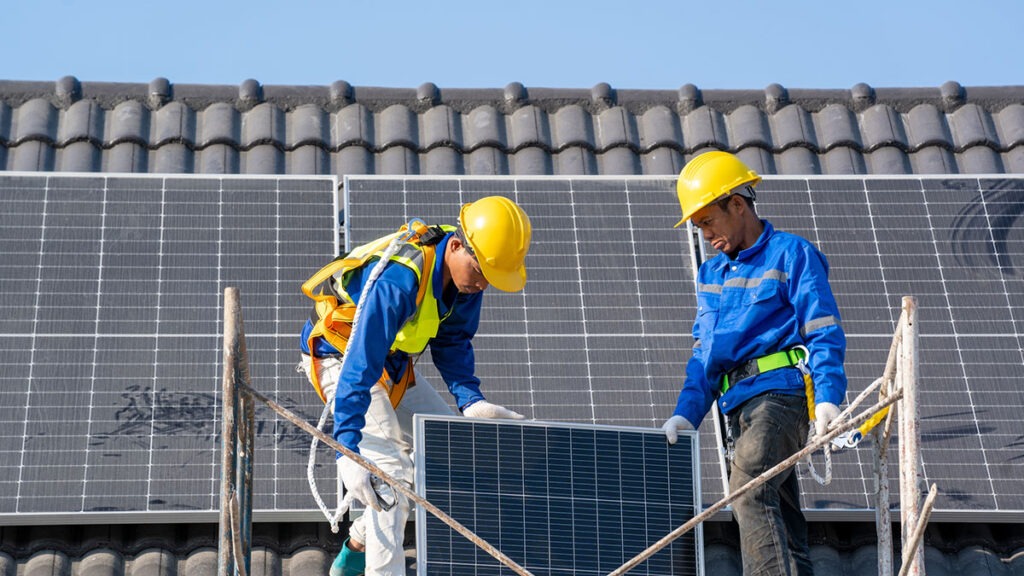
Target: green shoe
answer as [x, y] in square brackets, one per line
[349, 562]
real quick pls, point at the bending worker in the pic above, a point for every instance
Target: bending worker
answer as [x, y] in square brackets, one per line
[766, 316]
[428, 293]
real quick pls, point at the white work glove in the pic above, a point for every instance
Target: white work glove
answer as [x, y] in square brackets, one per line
[673, 426]
[357, 483]
[824, 414]
[484, 409]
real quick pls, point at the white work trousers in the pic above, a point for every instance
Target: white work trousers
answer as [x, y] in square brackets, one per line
[387, 441]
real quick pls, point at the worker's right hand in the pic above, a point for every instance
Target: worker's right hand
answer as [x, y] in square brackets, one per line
[484, 409]
[357, 483]
[673, 426]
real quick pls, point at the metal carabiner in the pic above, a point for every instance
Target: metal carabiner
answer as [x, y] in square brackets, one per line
[801, 364]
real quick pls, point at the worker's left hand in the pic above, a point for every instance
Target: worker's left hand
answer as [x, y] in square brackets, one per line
[484, 409]
[824, 414]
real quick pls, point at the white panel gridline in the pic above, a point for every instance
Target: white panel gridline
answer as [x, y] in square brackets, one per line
[110, 323]
[601, 332]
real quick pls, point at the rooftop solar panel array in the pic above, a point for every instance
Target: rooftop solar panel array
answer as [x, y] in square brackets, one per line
[601, 332]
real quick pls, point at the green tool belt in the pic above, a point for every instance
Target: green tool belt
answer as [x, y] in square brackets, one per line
[752, 368]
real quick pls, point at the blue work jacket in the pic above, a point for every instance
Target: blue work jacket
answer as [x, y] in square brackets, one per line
[772, 297]
[391, 303]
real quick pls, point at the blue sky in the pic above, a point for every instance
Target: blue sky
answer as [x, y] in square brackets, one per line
[649, 44]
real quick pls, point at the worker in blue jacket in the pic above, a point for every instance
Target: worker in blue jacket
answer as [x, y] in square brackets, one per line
[428, 293]
[766, 316]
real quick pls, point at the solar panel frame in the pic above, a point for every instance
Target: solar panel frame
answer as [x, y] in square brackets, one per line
[557, 506]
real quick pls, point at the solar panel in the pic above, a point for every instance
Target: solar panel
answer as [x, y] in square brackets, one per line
[559, 499]
[110, 338]
[601, 332]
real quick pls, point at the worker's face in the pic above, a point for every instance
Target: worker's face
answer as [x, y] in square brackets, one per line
[721, 224]
[465, 270]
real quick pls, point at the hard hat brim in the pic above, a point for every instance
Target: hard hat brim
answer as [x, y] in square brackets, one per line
[504, 280]
[681, 222]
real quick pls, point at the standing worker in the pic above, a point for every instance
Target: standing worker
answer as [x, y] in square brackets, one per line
[429, 292]
[766, 317]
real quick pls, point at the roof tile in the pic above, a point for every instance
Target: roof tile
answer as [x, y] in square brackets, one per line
[662, 160]
[128, 122]
[529, 127]
[442, 161]
[483, 126]
[659, 126]
[175, 123]
[926, 126]
[441, 127]
[748, 126]
[126, 157]
[530, 161]
[575, 161]
[1009, 122]
[307, 125]
[888, 160]
[882, 126]
[618, 161]
[102, 562]
[220, 123]
[972, 126]
[354, 160]
[572, 127]
[204, 561]
[36, 120]
[836, 126]
[5, 131]
[980, 160]
[616, 127]
[307, 159]
[797, 160]
[486, 161]
[793, 126]
[397, 126]
[759, 159]
[154, 562]
[933, 160]
[843, 160]
[397, 160]
[1012, 160]
[82, 156]
[82, 121]
[263, 159]
[219, 159]
[704, 127]
[32, 156]
[308, 561]
[47, 563]
[264, 124]
[173, 158]
[353, 125]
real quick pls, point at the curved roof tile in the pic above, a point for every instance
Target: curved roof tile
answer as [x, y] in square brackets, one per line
[529, 127]
[660, 126]
[837, 126]
[1010, 125]
[571, 126]
[264, 124]
[882, 126]
[36, 120]
[927, 126]
[82, 121]
[175, 123]
[748, 126]
[441, 127]
[704, 127]
[616, 127]
[220, 123]
[352, 125]
[483, 126]
[307, 125]
[397, 126]
[793, 126]
[128, 122]
[972, 126]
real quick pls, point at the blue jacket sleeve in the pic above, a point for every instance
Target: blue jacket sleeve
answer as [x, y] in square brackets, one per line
[819, 323]
[392, 300]
[697, 396]
[452, 349]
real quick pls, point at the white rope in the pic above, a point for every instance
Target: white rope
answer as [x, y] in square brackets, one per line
[849, 439]
[343, 503]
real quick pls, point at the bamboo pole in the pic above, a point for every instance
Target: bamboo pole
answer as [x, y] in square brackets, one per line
[910, 437]
[756, 482]
[914, 546]
[233, 552]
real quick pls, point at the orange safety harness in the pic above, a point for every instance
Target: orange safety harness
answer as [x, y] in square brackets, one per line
[334, 318]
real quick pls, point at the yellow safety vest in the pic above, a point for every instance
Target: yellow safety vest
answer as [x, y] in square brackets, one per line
[334, 309]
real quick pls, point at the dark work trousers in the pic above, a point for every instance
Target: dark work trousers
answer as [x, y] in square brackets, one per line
[766, 430]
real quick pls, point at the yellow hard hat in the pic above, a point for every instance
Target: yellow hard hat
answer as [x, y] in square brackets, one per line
[498, 232]
[708, 177]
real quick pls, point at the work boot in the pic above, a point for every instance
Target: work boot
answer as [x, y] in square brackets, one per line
[349, 562]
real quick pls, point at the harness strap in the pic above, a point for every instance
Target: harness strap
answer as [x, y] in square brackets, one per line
[334, 320]
[751, 368]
